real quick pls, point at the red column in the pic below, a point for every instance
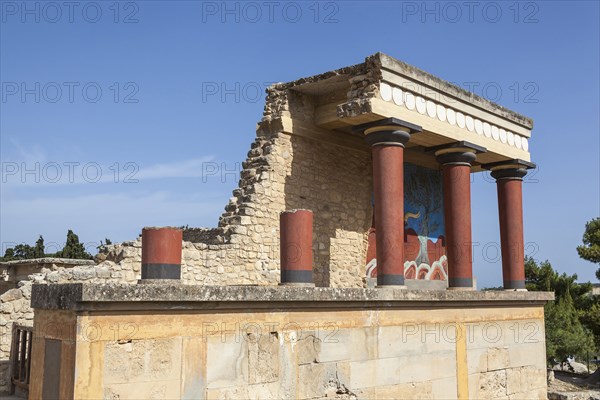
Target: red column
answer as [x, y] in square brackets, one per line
[509, 182]
[457, 215]
[296, 247]
[387, 138]
[388, 187]
[456, 160]
[161, 253]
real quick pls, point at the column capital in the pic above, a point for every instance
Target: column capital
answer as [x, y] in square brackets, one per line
[509, 169]
[457, 153]
[387, 131]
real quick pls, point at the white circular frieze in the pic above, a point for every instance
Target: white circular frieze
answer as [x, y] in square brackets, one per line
[510, 138]
[409, 100]
[421, 106]
[451, 117]
[517, 141]
[495, 133]
[470, 123]
[460, 119]
[431, 108]
[478, 127]
[502, 134]
[487, 130]
[386, 91]
[397, 96]
[441, 112]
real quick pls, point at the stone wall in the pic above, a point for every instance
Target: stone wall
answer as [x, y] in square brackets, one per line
[170, 341]
[19, 276]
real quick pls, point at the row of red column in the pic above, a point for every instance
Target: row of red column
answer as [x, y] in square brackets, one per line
[387, 138]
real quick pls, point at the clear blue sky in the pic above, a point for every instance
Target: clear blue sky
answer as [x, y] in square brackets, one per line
[157, 64]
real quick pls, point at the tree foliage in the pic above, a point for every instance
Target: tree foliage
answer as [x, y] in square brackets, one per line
[590, 250]
[72, 249]
[19, 252]
[570, 328]
[565, 334]
[39, 250]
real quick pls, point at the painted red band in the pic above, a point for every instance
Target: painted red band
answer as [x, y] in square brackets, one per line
[161, 245]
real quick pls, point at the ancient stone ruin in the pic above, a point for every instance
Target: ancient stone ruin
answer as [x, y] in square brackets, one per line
[341, 267]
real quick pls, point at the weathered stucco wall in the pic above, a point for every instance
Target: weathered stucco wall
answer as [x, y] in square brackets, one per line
[317, 344]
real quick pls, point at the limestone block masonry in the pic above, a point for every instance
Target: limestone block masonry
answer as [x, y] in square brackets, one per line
[192, 342]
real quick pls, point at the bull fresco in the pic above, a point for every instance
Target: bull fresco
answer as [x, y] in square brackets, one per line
[424, 240]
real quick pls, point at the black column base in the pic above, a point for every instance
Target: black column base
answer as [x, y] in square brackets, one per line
[161, 271]
[390, 280]
[296, 276]
[514, 285]
[466, 283]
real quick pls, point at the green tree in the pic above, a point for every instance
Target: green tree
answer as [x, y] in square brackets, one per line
[39, 250]
[9, 254]
[565, 332]
[23, 252]
[73, 249]
[542, 277]
[589, 315]
[590, 250]
[19, 252]
[591, 242]
[565, 335]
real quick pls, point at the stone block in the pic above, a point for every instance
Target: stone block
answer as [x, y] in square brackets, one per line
[227, 361]
[11, 295]
[230, 393]
[488, 385]
[516, 381]
[263, 358]
[347, 344]
[536, 377]
[418, 390]
[307, 348]
[80, 274]
[249, 392]
[142, 361]
[6, 308]
[445, 388]
[318, 380]
[497, 358]
[403, 340]
[143, 390]
[193, 369]
[477, 360]
[527, 354]
[398, 370]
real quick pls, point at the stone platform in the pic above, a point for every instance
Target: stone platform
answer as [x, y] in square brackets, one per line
[179, 341]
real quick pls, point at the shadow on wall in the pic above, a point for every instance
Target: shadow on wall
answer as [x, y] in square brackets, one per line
[4, 377]
[335, 184]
